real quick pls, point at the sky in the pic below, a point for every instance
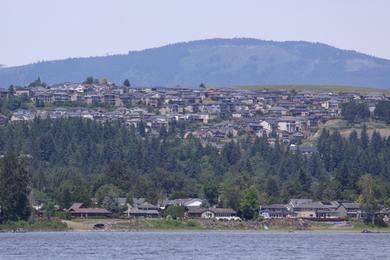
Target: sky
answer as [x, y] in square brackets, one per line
[38, 30]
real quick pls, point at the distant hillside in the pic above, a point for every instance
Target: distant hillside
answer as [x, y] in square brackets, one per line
[218, 62]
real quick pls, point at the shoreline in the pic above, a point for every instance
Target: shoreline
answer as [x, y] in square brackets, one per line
[192, 225]
[199, 231]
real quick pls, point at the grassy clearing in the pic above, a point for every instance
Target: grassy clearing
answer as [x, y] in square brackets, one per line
[172, 224]
[42, 225]
[351, 226]
[188, 225]
[346, 129]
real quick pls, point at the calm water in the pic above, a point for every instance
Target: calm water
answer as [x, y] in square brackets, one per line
[193, 245]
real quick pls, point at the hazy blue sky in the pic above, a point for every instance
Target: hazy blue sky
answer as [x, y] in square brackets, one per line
[33, 30]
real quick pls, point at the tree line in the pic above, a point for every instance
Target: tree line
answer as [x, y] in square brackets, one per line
[358, 111]
[73, 160]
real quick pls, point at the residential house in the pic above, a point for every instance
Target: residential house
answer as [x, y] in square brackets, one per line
[212, 213]
[3, 93]
[60, 97]
[278, 111]
[317, 210]
[79, 210]
[353, 210]
[141, 208]
[274, 211]
[22, 91]
[43, 97]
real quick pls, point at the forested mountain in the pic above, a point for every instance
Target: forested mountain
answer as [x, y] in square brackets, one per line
[221, 62]
[75, 159]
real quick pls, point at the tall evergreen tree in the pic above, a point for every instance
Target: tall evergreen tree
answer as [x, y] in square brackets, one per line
[14, 188]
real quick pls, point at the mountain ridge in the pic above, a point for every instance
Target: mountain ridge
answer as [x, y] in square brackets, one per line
[219, 62]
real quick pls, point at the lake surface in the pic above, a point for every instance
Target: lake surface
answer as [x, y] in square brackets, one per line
[193, 245]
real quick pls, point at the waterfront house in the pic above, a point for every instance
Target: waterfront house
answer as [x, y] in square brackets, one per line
[141, 203]
[274, 211]
[317, 210]
[353, 210]
[211, 213]
[79, 210]
[312, 210]
[136, 212]
[141, 208]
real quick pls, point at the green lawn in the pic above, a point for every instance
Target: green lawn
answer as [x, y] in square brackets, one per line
[42, 225]
[172, 224]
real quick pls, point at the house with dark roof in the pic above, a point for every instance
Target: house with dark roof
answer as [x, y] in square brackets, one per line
[141, 208]
[313, 210]
[79, 210]
[278, 111]
[274, 211]
[317, 210]
[353, 209]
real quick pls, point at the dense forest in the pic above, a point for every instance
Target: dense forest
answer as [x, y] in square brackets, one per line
[73, 160]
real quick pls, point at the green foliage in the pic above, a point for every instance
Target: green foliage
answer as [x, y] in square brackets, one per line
[355, 111]
[211, 193]
[249, 204]
[172, 224]
[37, 83]
[110, 202]
[175, 212]
[103, 81]
[382, 111]
[126, 83]
[62, 215]
[12, 103]
[369, 192]
[49, 209]
[14, 188]
[107, 191]
[42, 225]
[70, 191]
[73, 160]
[11, 91]
[89, 80]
